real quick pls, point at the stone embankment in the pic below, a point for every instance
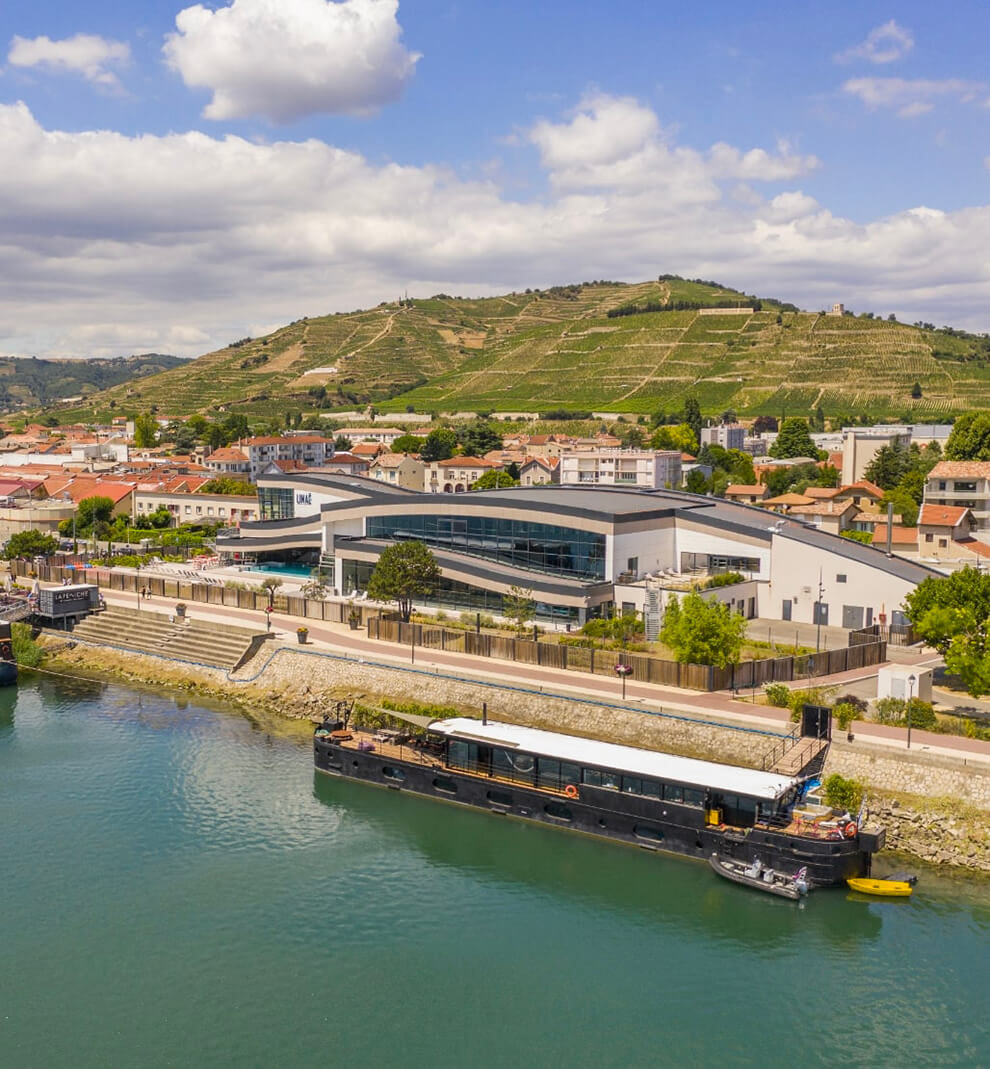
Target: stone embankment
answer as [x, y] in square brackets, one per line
[935, 808]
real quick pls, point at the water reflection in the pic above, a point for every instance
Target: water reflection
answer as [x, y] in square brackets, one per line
[654, 888]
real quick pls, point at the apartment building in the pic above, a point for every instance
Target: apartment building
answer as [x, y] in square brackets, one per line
[622, 467]
[962, 484]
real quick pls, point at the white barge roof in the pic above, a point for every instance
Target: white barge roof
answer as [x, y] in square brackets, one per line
[668, 767]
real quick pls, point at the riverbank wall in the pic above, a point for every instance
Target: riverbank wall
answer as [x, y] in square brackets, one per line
[935, 808]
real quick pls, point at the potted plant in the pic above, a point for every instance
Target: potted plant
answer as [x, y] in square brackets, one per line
[354, 618]
[845, 713]
[302, 633]
[180, 609]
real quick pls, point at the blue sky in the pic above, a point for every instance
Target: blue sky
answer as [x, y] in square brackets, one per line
[179, 176]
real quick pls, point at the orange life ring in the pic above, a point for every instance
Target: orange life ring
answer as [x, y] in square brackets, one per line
[571, 791]
[851, 830]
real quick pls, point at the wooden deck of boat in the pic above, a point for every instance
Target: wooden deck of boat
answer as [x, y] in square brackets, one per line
[386, 745]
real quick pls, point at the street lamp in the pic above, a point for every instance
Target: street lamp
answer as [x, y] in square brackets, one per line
[912, 679]
[622, 670]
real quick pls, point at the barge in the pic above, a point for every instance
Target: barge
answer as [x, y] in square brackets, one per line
[643, 798]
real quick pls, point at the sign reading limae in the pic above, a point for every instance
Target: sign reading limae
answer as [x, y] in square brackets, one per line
[76, 600]
[304, 497]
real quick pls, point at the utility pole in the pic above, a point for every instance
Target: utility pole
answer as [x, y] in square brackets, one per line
[818, 613]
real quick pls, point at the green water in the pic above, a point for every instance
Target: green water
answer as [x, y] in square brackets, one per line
[179, 888]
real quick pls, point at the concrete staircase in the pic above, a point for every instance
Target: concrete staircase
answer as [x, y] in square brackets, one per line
[217, 645]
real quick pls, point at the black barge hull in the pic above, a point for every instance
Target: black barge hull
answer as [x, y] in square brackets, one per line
[605, 814]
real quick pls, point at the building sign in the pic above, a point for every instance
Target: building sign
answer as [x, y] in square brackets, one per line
[304, 498]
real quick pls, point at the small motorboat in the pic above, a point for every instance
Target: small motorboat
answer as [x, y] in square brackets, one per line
[897, 885]
[758, 877]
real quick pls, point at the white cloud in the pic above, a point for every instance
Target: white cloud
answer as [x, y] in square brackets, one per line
[883, 44]
[85, 54]
[284, 59]
[618, 142]
[911, 97]
[181, 243]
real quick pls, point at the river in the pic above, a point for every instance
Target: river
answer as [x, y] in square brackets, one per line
[180, 888]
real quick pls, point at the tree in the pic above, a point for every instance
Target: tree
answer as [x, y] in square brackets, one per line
[696, 483]
[342, 443]
[93, 515]
[227, 484]
[404, 571]
[970, 438]
[479, 437]
[916, 391]
[888, 466]
[215, 436]
[518, 605]
[30, 544]
[762, 424]
[407, 443]
[160, 518]
[236, 426]
[439, 445]
[680, 438]
[794, 440]
[951, 614]
[145, 431]
[494, 480]
[702, 631]
[692, 416]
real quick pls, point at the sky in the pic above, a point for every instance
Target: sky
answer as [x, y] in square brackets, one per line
[176, 177]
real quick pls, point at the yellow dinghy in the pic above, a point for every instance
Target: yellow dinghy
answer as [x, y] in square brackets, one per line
[888, 888]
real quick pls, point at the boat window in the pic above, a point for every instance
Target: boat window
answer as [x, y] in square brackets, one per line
[652, 789]
[462, 755]
[558, 811]
[644, 831]
[448, 786]
[612, 780]
[518, 767]
[569, 773]
[591, 776]
[393, 773]
[693, 796]
[632, 785]
[673, 792]
[500, 798]
[548, 773]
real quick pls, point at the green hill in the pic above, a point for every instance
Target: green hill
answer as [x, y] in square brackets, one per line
[594, 346]
[26, 382]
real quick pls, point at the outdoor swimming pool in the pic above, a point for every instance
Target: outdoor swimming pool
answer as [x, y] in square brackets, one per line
[279, 568]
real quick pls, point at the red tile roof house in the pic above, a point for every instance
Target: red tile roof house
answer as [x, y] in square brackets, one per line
[945, 532]
[904, 540]
[746, 495]
[455, 475]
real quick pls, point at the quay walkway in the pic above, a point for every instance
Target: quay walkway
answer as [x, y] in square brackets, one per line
[339, 640]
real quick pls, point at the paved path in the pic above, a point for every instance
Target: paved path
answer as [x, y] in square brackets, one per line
[338, 638]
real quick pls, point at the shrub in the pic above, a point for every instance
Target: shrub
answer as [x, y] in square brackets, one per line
[845, 713]
[842, 793]
[27, 652]
[895, 711]
[724, 579]
[778, 694]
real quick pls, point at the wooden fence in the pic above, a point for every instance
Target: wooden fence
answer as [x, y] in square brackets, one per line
[645, 669]
[177, 589]
[866, 646]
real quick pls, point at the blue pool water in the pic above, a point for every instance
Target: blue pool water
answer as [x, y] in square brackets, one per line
[278, 568]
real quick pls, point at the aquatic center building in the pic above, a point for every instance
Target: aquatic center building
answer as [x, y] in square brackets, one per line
[582, 551]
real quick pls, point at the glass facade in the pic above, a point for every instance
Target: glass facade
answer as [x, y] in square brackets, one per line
[451, 594]
[539, 547]
[276, 503]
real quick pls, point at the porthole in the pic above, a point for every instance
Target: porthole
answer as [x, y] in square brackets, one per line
[558, 812]
[446, 786]
[644, 831]
[601, 823]
[393, 773]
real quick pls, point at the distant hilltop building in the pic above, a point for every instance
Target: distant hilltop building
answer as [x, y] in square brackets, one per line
[838, 309]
